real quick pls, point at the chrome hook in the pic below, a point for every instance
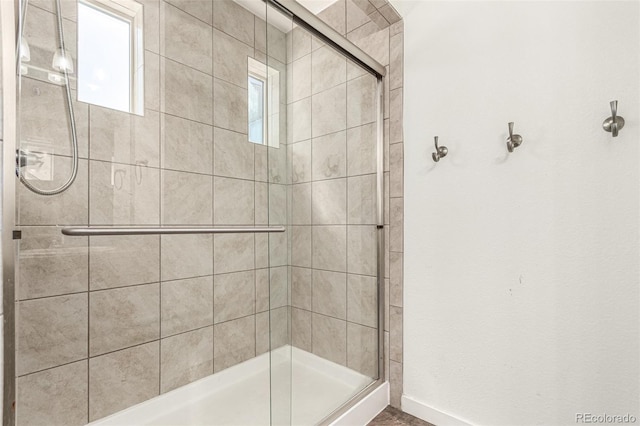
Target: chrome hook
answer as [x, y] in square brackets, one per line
[614, 123]
[441, 151]
[513, 141]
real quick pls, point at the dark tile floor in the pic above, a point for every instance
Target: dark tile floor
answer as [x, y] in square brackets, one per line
[394, 417]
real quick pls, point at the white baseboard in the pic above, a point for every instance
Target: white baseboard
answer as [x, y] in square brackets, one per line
[366, 409]
[430, 414]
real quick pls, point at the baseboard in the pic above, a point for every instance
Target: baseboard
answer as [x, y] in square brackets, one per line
[366, 409]
[430, 414]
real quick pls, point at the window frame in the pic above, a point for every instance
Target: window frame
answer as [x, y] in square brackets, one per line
[270, 78]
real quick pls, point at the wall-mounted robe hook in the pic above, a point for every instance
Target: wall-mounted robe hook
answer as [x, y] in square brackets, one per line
[513, 141]
[441, 151]
[614, 123]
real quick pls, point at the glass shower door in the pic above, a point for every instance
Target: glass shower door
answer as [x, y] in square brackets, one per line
[331, 140]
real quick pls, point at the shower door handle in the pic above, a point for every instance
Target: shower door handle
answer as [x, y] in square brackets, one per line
[80, 231]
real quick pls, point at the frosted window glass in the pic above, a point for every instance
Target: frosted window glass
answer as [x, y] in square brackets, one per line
[104, 58]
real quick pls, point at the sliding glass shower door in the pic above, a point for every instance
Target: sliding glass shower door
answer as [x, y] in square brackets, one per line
[198, 216]
[331, 110]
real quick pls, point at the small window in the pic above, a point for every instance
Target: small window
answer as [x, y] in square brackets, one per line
[110, 61]
[264, 104]
[257, 98]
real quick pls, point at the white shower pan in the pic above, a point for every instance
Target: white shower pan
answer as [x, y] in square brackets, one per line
[252, 394]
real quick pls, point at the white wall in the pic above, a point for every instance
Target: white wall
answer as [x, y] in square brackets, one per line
[522, 270]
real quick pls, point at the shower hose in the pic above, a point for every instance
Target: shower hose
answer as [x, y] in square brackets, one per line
[72, 120]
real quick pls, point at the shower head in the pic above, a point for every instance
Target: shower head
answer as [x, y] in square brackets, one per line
[25, 51]
[62, 61]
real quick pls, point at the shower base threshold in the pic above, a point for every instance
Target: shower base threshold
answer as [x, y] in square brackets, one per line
[252, 394]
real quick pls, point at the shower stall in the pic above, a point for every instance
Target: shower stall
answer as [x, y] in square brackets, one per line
[193, 226]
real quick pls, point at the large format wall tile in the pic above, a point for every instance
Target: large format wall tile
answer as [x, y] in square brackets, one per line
[301, 204]
[185, 92]
[55, 397]
[185, 39]
[362, 349]
[279, 327]
[233, 19]
[300, 40]
[125, 138]
[123, 317]
[299, 120]
[329, 338]
[361, 150]
[278, 287]
[361, 246]
[301, 162]
[230, 108]
[300, 83]
[186, 145]
[51, 263]
[362, 300]
[123, 194]
[186, 256]
[202, 10]
[230, 59]
[43, 111]
[186, 198]
[361, 101]
[330, 248]
[301, 329]
[329, 111]
[329, 156]
[233, 295]
[329, 202]
[329, 295]
[124, 260]
[185, 358]
[329, 69]
[233, 252]
[233, 154]
[51, 332]
[186, 305]
[121, 379]
[234, 201]
[301, 288]
[233, 342]
[68, 208]
[301, 246]
[362, 204]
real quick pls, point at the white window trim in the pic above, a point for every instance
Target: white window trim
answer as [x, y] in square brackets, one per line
[271, 99]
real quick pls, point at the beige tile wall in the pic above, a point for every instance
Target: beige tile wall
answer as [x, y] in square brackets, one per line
[106, 322]
[120, 313]
[377, 28]
[333, 163]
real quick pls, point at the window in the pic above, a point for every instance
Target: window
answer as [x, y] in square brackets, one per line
[257, 98]
[110, 61]
[264, 104]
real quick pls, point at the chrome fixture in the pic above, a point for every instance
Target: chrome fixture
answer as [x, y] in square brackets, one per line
[83, 231]
[513, 141]
[441, 151]
[25, 158]
[614, 123]
[63, 63]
